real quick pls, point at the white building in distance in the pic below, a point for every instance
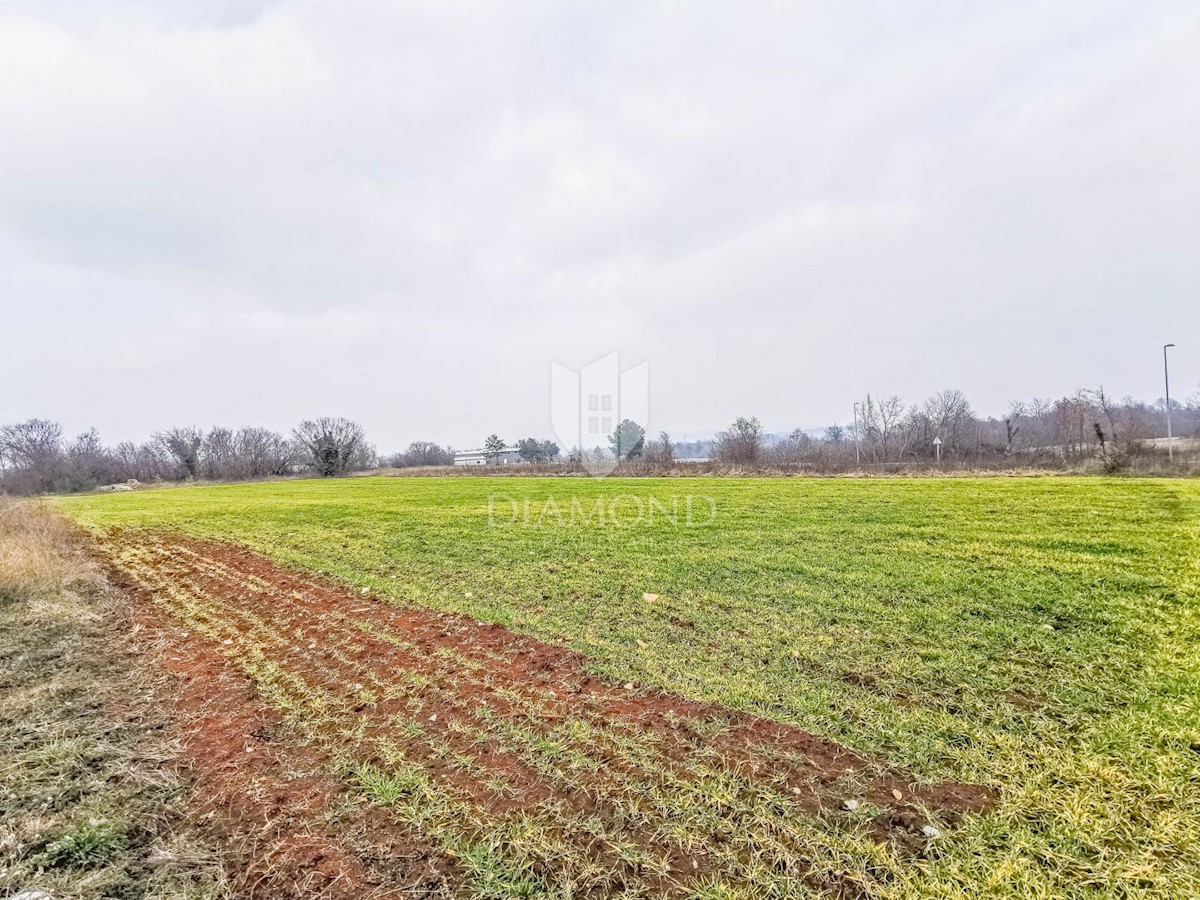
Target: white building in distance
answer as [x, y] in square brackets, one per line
[505, 457]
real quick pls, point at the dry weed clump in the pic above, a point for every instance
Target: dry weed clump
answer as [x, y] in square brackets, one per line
[39, 552]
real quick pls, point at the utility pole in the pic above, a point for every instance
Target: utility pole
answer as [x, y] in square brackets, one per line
[1167, 385]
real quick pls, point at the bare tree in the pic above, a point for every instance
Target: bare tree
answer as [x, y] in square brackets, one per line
[1012, 424]
[742, 443]
[950, 417]
[331, 446]
[884, 428]
[219, 454]
[262, 453]
[144, 462]
[363, 457]
[88, 462]
[425, 453]
[1071, 424]
[793, 449]
[660, 451]
[32, 443]
[31, 454]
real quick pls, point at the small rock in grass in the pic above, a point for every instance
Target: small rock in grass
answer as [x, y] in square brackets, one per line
[1047, 627]
[931, 831]
[642, 645]
[629, 685]
[366, 590]
[649, 598]
[896, 793]
[850, 805]
[796, 791]
[468, 595]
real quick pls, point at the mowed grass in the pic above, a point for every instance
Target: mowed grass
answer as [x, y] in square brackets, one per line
[1038, 635]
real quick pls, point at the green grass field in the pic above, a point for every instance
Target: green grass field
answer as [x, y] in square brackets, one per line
[1037, 635]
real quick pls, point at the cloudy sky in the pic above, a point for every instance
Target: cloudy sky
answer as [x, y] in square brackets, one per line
[249, 212]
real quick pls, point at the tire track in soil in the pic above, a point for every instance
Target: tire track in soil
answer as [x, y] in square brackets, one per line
[448, 667]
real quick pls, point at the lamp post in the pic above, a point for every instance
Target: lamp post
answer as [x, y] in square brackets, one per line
[857, 459]
[1167, 385]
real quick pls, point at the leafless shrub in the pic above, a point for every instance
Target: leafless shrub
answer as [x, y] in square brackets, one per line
[794, 450]
[31, 453]
[263, 453]
[34, 458]
[661, 451]
[420, 454]
[742, 443]
[142, 462]
[245, 453]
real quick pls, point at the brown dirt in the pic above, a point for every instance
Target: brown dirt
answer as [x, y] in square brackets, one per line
[378, 664]
[260, 794]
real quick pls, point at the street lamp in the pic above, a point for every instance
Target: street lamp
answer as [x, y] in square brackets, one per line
[1167, 385]
[857, 459]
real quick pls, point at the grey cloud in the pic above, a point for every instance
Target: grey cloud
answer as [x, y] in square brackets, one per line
[780, 207]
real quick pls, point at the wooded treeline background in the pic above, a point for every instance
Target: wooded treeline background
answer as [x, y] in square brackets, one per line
[1087, 426]
[36, 457]
[1087, 431]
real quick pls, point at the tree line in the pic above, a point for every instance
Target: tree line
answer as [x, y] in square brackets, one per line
[37, 457]
[1086, 427]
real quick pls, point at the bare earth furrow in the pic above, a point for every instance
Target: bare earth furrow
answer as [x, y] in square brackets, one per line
[511, 743]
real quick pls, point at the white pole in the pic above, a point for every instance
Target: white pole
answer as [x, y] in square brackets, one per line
[1167, 385]
[857, 456]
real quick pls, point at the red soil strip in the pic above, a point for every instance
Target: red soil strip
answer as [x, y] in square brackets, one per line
[262, 796]
[448, 666]
[522, 662]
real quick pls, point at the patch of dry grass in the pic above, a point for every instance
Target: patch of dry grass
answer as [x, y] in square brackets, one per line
[88, 801]
[40, 552]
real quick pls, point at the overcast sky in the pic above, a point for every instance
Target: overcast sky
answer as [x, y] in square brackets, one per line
[253, 212]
